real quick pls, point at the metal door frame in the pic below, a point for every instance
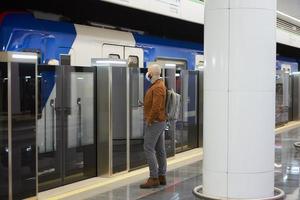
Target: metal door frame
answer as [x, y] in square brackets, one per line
[164, 67]
[18, 57]
[102, 63]
[200, 106]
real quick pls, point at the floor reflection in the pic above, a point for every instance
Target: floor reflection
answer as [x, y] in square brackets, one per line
[287, 164]
[180, 184]
[181, 181]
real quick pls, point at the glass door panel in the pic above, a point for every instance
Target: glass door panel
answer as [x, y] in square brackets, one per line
[49, 137]
[79, 123]
[23, 125]
[3, 132]
[66, 125]
[169, 75]
[189, 109]
[179, 122]
[187, 125]
[137, 83]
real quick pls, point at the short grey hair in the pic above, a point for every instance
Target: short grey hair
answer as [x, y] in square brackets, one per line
[155, 68]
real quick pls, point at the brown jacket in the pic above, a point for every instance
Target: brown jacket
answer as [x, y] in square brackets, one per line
[154, 102]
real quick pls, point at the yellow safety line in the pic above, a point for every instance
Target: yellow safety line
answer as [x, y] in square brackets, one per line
[178, 158]
[171, 161]
[288, 126]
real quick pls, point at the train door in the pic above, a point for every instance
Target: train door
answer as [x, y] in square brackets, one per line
[66, 125]
[133, 143]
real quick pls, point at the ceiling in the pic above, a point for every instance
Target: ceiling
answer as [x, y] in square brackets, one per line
[120, 17]
[290, 7]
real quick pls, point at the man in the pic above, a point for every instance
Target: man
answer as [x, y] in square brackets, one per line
[155, 118]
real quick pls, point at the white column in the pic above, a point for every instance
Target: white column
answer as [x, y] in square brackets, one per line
[239, 98]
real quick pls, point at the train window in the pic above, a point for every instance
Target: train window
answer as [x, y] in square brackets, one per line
[65, 59]
[170, 63]
[133, 61]
[114, 56]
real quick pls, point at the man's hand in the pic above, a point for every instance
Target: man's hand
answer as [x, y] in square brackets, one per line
[140, 103]
[148, 123]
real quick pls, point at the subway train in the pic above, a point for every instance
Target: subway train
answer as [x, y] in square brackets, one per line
[66, 123]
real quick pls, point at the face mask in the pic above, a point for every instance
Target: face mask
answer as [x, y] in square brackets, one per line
[148, 76]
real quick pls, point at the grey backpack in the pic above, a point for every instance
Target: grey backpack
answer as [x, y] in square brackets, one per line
[173, 103]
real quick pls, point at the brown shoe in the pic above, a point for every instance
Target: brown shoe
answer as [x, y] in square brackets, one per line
[162, 180]
[151, 183]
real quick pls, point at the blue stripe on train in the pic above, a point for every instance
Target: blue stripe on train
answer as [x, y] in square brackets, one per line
[22, 32]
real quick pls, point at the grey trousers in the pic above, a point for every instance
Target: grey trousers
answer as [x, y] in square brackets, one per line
[154, 147]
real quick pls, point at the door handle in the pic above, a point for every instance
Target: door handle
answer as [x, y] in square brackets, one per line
[62, 108]
[52, 105]
[140, 103]
[79, 128]
[59, 108]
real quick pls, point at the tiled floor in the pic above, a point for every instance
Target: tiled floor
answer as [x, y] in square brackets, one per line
[287, 164]
[180, 184]
[181, 181]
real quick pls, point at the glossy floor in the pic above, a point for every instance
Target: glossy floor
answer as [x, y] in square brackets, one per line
[287, 164]
[181, 181]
